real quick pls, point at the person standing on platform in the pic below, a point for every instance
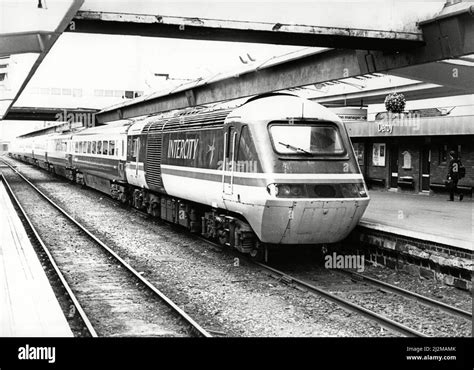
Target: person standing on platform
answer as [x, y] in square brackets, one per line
[454, 175]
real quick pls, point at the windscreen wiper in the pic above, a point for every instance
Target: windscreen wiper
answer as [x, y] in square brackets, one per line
[295, 148]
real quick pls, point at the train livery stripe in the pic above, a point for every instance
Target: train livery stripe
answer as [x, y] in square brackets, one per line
[258, 179]
[211, 175]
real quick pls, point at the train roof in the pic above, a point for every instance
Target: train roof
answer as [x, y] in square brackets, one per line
[116, 127]
[266, 106]
[282, 107]
[272, 106]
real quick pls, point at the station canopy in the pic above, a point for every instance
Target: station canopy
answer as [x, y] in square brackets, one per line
[24, 44]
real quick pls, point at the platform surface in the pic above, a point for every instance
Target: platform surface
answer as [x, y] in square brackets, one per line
[28, 306]
[431, 218]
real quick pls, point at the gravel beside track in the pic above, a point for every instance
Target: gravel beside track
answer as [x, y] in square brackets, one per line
[225, 294]
[407, 311]
[116, 303]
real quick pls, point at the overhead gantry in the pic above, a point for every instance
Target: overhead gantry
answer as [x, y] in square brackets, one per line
[31, 41]
[412, 49]
[448, 35]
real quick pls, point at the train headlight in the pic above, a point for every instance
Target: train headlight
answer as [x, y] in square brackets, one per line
[324, 191]
[355, 190]
[362, 191]
[296, 190]
[283, 191]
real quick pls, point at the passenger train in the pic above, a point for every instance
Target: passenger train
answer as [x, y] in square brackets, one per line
[270, 170]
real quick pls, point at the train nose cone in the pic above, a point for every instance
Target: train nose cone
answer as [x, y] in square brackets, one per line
[312, 222]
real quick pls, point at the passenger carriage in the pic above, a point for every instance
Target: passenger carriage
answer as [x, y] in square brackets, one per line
[58, 157]
[99, 155]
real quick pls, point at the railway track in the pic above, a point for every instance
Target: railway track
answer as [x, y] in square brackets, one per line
[106, 290]
[409, 294]
[382, 320]
[347, 304]
[77, 318]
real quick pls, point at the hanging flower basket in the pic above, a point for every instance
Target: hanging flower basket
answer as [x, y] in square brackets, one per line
[395, 103]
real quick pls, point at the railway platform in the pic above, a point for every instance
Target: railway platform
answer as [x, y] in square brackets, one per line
[428, 237]
[429, 218]
[28, 305]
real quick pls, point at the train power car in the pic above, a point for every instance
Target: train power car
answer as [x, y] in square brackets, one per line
[265, 171]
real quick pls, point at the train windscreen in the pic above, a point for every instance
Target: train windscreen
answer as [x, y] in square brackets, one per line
[306, 139]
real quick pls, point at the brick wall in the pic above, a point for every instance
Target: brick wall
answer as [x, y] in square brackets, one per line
[439, 169]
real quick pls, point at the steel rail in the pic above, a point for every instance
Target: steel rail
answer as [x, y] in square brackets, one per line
[409, 294]
[382, 320]
[57, 271]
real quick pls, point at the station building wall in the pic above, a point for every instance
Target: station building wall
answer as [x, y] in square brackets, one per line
[409, 153]
[440, 149]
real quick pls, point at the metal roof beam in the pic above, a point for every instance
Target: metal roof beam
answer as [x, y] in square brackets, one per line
[46, 42]
[441, 73]
[27, 42]
[446, 37]
[414, 92]
[241, 31]
[49, 114]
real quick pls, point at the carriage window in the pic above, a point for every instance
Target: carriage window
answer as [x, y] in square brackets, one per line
[93, 147]
[111, 147]
[99, 147]
[306, 139]
[76, 147]
[105, 148]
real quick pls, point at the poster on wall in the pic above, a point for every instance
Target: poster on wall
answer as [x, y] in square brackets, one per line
[378, 155]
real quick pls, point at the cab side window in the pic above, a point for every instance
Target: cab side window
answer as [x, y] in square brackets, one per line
[132, 148]
[246, 155]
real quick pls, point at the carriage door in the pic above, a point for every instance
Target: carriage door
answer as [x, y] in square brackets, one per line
[425, 168]
[393, 166]
[230, 148]
[132, 167]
